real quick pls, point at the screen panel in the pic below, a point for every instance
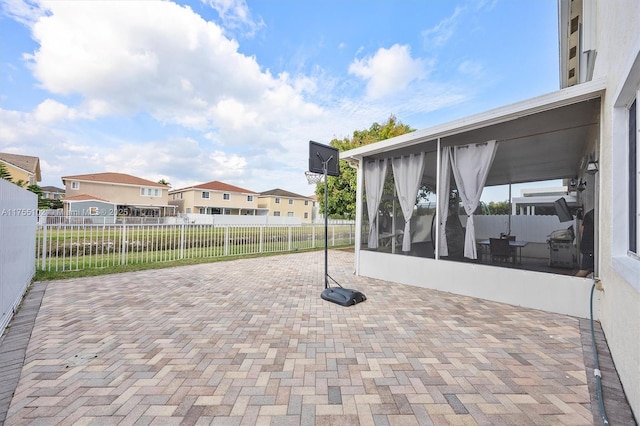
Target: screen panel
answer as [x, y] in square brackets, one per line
[318, 154]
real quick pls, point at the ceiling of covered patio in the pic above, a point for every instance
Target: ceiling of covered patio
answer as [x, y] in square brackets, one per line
[538, 140]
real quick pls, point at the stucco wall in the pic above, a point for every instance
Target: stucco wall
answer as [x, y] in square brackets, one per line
[618, 45]
[298, 208]
[537, 290]
[123, 194]
[193, 200]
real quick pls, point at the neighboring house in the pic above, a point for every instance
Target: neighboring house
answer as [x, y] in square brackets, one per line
[52, 193]
[126, 196]
[215, 198]
[586, 130]
[284, 203]
[542, 197]
[95, 208]
[23, 168]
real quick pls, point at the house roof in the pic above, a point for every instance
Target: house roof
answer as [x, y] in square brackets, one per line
[542, 138]
[282, 193]
[27, 163]
[52, 189]
[217, 186]
[84, 197]
[111, 177]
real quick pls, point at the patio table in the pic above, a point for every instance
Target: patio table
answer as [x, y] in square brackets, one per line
[517, 245]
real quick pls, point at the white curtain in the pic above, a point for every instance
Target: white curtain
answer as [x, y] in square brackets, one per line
[407, 174]
[443, 200]
[471, 164]
[374, 174]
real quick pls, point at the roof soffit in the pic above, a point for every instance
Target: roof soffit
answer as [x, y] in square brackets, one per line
[545, 103]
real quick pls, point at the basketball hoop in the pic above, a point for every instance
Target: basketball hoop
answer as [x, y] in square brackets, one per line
[314, 178]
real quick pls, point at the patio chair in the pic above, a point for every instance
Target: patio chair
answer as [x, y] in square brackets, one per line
[500, 250]
[514, 251]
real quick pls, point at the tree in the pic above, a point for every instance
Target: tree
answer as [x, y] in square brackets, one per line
[43, 203]
[4, 173]
[499, 207]
[164, 182]
[341, 199]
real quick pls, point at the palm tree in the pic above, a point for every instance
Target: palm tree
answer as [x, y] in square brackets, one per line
[4, 173]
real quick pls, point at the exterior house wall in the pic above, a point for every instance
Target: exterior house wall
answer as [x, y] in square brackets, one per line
[91, 208]
[616, 70]
[117, 193]
[618, 46]
[297, 208]
[18, 174]
[190, 201]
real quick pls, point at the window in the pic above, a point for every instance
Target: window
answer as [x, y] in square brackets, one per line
[150, 192]
[276, 213]
[75, 185]
[306, 215]
[625, 174]
[249, 198]
[634, 179]
[290, 201]
[306, 202]
[290, 214]
[277, 200]
[226, 196]
[205, 194]
[93, 211]
[202, 210]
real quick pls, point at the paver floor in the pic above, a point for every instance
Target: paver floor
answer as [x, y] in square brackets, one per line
[251, 342]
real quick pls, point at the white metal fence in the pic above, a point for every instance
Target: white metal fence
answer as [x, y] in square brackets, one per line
[77, 246]
[18, 216]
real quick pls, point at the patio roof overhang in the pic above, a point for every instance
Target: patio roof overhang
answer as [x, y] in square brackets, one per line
[547, 137]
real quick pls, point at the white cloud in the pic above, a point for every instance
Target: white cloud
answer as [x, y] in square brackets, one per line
[471, 68]
[438, 35]
[235, 15]
[212, 112]
[158, 57]
[50, 111]
[388, 71]
[24, 11]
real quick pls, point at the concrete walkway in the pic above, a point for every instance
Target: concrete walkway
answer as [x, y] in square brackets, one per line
[251, 342]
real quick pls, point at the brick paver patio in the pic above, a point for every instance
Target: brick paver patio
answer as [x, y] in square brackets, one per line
[251, 342]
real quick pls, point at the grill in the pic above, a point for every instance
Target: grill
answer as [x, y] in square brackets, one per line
[562, 252]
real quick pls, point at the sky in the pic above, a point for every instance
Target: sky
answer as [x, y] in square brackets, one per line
[192, 91]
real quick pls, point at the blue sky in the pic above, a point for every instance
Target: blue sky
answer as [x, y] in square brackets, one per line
[201, 90]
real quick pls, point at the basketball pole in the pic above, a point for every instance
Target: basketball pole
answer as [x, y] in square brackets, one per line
[325, 166]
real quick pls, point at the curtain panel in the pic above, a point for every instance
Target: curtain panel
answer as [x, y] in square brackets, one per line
[443, 200]
[374, 174]
[471, 165]
[407, 174]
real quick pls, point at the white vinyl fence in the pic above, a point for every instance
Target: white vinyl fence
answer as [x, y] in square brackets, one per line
[530, 228]
[18, 216]
[76, 246]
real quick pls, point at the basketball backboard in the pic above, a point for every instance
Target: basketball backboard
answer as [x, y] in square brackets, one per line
[319, 154]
